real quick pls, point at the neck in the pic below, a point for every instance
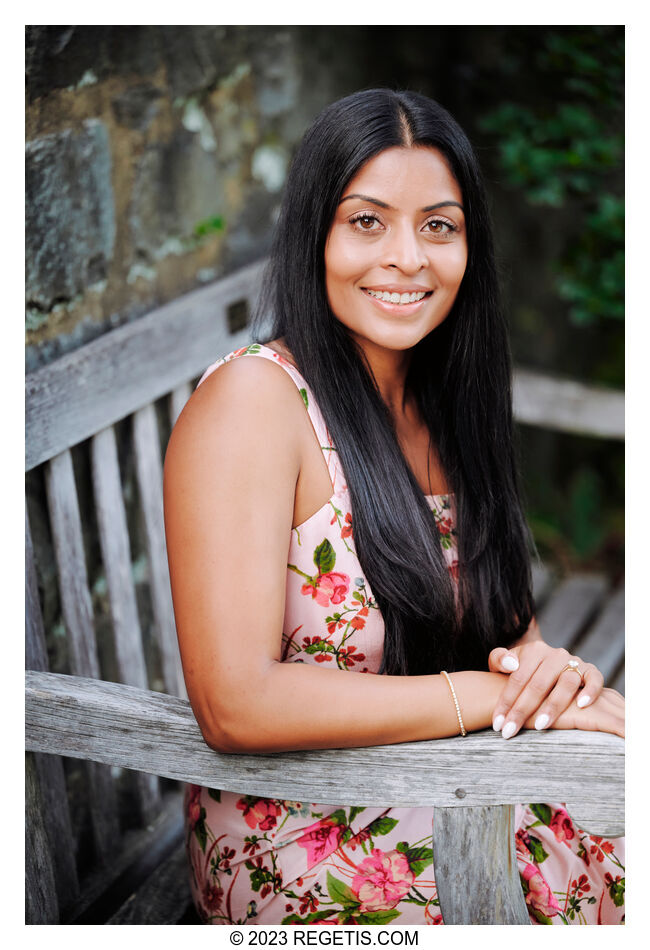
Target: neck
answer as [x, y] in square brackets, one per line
[389, 369]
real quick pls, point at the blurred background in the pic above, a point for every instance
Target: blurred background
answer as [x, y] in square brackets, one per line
[155, 163]
[156, 158]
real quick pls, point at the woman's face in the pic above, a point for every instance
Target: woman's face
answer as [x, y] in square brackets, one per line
[397, 249]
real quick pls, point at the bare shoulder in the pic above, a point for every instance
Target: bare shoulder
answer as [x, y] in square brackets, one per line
[241, 426]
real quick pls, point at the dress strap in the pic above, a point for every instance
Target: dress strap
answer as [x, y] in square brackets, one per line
[322, 434]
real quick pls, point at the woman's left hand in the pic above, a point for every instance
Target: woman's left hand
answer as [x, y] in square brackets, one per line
[539, 685]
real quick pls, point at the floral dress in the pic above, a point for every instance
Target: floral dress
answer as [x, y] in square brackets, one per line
[267, 861]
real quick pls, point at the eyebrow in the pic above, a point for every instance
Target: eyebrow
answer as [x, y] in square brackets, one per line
[382, 204]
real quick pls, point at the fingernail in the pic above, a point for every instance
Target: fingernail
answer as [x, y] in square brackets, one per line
[583, 700]
[497, 725]
[542, 721]
[509, 730]
[510, 663]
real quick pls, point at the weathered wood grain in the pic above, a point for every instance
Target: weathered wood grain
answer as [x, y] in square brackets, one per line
[475, 866]
[78, 618]
[149, 474]
[35, 649]
[47, 770]
[141, 851]
[116, 556]
[569, 608]
[177, 399]
[604, 642]
[76, 604]
[108, 379]
[41, 904]
[125, 726]
[568, 405]
[163, 898]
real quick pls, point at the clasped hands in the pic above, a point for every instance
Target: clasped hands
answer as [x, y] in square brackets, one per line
[542, 692]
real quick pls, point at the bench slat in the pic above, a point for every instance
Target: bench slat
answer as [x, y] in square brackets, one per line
[78, 618]
[41, 903]
[475, 866]
[149, 475]
[569, 608]
[125, 726]
[164, 896]
[48, 768]
[76, 604]
[604, 642]
[177, 399]
[111, 377]
[116, 555]
[568, 405]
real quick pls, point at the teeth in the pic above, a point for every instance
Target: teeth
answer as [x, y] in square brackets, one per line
[395, 297]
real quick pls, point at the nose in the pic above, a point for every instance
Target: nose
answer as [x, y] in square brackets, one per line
[404, 251]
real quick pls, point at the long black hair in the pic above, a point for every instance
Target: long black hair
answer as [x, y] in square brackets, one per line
[460, 376]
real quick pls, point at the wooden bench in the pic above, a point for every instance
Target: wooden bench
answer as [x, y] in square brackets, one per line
[114, 719]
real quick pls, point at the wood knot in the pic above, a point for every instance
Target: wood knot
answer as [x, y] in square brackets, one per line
[460, 793]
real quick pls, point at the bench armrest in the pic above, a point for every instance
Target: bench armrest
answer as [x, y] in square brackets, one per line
[153, 732]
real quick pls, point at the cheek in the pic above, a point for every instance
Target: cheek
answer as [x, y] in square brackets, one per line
[455, 267]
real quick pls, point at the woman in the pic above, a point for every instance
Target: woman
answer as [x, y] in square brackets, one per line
[380, 531]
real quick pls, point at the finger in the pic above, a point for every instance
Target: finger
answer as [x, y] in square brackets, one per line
[544, 697]
[559, 699]
[593, 687]
[517, 682]
[501, 660]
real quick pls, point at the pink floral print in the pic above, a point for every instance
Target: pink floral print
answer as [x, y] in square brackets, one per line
[267, 861]
[382, 880]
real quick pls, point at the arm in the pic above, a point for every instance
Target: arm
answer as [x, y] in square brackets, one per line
[230, 479]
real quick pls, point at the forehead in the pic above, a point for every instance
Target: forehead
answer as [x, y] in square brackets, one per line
[419, 174]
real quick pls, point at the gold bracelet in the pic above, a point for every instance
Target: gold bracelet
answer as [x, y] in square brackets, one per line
[453, 695]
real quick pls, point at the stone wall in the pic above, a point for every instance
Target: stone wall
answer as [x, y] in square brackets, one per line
[155, 158]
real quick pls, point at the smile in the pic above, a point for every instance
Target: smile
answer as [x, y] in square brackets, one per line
[404, 298]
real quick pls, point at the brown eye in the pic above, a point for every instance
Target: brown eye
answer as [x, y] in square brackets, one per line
[365, 222]
[439, 227]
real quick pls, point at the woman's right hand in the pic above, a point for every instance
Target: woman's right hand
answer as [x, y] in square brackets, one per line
[605, 714]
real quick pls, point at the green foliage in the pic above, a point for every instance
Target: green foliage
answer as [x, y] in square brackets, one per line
[564, 150]
[209, 226]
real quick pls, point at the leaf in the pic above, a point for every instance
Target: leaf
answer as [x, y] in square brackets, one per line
[324, 557]
[536, 848]
[354, 811]
[215, 793]
[543, 812]
[305, 399]
[377, 917]
[419, 859]
[382, 826]
[340, 892]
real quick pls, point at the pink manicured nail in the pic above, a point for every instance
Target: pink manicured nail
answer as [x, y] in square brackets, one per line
[510, 663]
[497, 725]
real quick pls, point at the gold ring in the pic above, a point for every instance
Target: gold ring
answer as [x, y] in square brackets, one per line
[574, 667]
